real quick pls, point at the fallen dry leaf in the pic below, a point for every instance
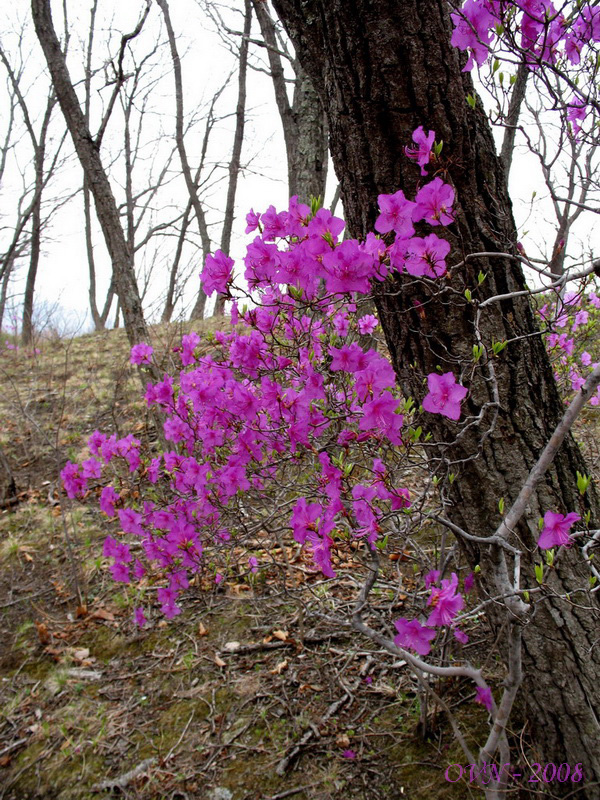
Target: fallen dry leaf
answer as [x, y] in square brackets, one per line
[202, 629]
[102, 613]
[43, 632]
[219, 661]
[281, 635]
[279, 668]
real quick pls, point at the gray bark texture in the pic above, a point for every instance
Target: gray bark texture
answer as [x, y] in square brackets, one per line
[303, 120]
[88, 153]
[382, 68]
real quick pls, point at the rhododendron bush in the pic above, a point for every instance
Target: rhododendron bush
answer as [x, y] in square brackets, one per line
[290, 423]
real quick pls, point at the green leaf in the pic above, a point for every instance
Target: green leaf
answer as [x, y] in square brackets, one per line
[526, 595]
[550, 557]
[382, 543]
[501, 505]
[583, 482]
[593, 580]
[481, 277]
[315, 204]
[437, 148]
[539, 573]
[468, 294]
[477, 352]
[471, 100]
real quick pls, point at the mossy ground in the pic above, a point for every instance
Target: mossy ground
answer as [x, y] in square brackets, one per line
[86, 698]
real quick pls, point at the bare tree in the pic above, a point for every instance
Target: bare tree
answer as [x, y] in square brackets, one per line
[238, 139]
[88, 152]
[303, 120]
[199, 306]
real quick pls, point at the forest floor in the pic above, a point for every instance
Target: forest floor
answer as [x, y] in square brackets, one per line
[246, 695]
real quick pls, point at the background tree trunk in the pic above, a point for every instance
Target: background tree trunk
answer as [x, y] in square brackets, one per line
[382, 68]
[303, 121]
[238, 141]
[88, 153]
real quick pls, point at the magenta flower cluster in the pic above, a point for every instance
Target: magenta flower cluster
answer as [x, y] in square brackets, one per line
[570, 322]
[293, 387]
[545, 33]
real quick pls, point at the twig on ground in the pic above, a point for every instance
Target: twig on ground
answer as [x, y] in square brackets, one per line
[124, 780]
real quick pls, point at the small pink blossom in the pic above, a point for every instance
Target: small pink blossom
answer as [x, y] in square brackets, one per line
[414, 635]
[396, 214]
[139, 617]
[446, 603]
[216, 273]
[422, 152]
[555, 532]
[367, 324]
[445, 395]
[484, 697]
[141, 354]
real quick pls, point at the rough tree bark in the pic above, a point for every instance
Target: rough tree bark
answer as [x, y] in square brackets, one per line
[383, 67]
[88, 153]
[303, 120]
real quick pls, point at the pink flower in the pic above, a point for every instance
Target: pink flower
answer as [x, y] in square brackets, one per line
[141, 354]
[349, 754]
[422, 152]
[108, 498]
[367, 324]
[432, 577]
[484, 697]
[445, 395]
[460, 636]
[253, 564]
[555, 532]
[139, 617]
[216, 273]
[445, 602]
[426, 256]
[414, 635]
[434, 203]
[472, 31]
[252, 220]
[396, 214]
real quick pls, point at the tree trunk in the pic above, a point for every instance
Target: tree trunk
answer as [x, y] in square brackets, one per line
[382, 68]
[238, 141]
[88, 154]
[308, 151]
[303, 121]
[36, 224]
[200, 304]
